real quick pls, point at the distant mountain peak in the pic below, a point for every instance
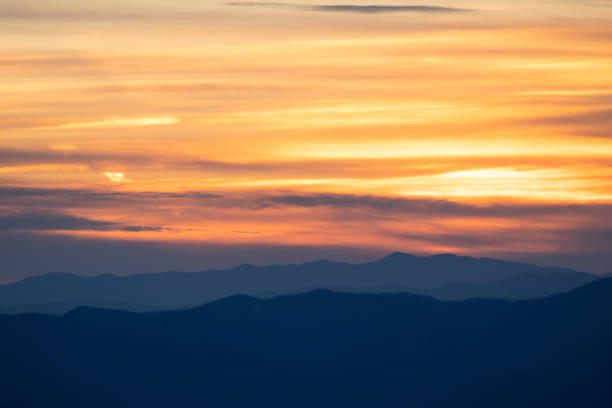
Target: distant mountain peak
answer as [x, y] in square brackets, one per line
[398, 256]
[450, 256]
[243, 267]
[107, 276]
[87, 312]
[319, 262]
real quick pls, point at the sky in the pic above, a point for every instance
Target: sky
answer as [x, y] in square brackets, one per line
[143, 136]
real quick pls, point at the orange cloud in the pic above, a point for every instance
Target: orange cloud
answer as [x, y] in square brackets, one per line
[438, 132]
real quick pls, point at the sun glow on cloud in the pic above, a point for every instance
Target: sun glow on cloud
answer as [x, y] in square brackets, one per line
[530, 183]
[115, 177]
[450, 148]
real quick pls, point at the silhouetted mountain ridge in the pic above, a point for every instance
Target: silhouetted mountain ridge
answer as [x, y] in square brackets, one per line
[321, 348]
[443, 276]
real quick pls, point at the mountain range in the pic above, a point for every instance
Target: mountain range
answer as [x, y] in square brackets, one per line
[446, 277]
[321, 348]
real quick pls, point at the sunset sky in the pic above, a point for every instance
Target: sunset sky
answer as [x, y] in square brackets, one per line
[142, 136]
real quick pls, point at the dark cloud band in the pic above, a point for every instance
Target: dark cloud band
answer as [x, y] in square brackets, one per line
[57, 221]
[354, 8]
[255, 200]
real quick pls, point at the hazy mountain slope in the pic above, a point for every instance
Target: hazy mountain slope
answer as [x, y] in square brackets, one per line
[318, 349]
[527, 286]
[58, 293]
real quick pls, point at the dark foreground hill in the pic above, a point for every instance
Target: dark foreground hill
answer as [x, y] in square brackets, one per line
[322, 348]
[442, 276]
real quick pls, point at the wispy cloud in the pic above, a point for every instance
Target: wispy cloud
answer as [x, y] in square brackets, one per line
[58, 124]
[38, 168]
[41, 220]
[354, 8]
[590, 118]
[415, 224]
[255, 200]
[130, 122]
[12, 159]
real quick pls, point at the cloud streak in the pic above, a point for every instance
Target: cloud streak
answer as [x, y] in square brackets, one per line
[302, 219]
[591, 118]
[13, 160]
[57, 221]
[355, 8]
[392, 125]
[42, 124]
[255, 200]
